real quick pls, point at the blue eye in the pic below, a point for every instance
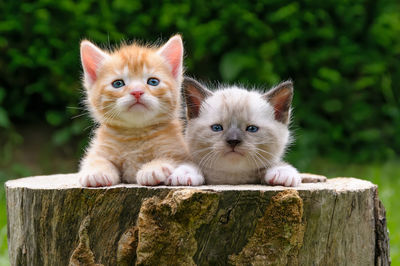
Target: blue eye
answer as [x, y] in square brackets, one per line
[153, 81]
[217, 127]
[118, 83]
[252, 128]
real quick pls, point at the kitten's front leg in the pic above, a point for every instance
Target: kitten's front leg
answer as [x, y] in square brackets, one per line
[98, 172]
[155, 172]
[285, 175]
[187, 174]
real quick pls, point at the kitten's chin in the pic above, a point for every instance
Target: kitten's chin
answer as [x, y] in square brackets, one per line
[233, 155]
[136, 117]
[233, 162]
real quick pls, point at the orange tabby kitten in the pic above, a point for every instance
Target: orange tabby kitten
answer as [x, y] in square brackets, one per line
[134, 95]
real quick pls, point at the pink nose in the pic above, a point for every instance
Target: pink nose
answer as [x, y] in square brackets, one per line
[137, 93]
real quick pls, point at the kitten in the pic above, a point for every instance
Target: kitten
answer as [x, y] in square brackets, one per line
[133, 93]
[238, 136]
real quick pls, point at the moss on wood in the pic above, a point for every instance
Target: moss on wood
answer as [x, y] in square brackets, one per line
[127, 245]
[167, 226]
[83, 255]
[278, 235]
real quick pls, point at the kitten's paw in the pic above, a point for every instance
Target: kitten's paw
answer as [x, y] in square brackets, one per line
[283, 175]
[185, 175]
[311, 178]
[98, 179]
[155, 174]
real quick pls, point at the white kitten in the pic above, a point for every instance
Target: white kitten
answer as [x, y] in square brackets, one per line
[238, 136]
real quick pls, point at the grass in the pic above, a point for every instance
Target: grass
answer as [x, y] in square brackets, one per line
[386, 176]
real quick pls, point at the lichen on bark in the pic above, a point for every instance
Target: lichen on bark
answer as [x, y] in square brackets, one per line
[83, 255]
[278, 235]
[167, 227]
[127, 244]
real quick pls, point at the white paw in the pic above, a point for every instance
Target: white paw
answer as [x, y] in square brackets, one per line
[154, 175]
[185, 175]
[283, 175]
[311, 178]
[98, 179]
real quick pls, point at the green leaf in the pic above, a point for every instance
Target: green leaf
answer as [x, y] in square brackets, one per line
[332, 105]
[62, 136]
[233, 63]
[329, 74]
[284, 12]
[55, 118]
[4, 121]
[2, 94]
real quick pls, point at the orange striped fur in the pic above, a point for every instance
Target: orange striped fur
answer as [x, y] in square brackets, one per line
[139, 140]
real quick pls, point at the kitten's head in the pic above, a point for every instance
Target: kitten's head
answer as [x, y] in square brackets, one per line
[133, 86]
[233, 129]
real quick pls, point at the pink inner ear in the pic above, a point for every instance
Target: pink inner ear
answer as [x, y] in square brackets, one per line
[281, 104]
[91, 57]
[279, 109]
[172, 51]
[90, 66]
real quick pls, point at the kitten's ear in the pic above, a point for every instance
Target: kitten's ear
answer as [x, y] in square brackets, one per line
[194, 94]
[280, 97]
[172, 52]
[92, 58]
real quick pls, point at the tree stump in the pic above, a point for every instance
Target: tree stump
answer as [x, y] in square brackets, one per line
[54, 221]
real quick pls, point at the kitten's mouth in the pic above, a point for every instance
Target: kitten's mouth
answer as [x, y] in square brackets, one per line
[233, 152]
[137, 105]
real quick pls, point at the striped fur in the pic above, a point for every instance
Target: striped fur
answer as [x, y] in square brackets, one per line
[139, 140]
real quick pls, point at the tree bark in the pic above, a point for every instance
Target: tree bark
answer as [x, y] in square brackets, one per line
[54, 221]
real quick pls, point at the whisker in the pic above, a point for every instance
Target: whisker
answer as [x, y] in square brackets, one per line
[76, 107]
[80, 115]
[205, 159]
[201, 150]
[217, 155]
[260, 163]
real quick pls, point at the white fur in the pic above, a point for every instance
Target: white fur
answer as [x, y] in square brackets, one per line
[152, 174]
[285, 175]
[259, 151]
[98, 179]
[97, 172]
[186, 175]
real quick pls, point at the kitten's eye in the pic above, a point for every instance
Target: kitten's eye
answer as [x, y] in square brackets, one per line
[118, 83]
[153, 81]
[217, 127]
[252, 128]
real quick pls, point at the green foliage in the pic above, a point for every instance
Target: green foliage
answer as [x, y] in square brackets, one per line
[342, 55]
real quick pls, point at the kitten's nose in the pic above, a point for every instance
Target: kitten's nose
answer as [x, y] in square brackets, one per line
[233, 137]
[137, 93]
[233, 142]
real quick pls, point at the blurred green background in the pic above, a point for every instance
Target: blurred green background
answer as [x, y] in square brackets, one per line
[344, 58]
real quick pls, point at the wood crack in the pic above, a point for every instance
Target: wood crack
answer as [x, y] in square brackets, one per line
[382, 249]
[330, 227]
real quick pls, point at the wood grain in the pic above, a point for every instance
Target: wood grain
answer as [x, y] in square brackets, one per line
[54, 221]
